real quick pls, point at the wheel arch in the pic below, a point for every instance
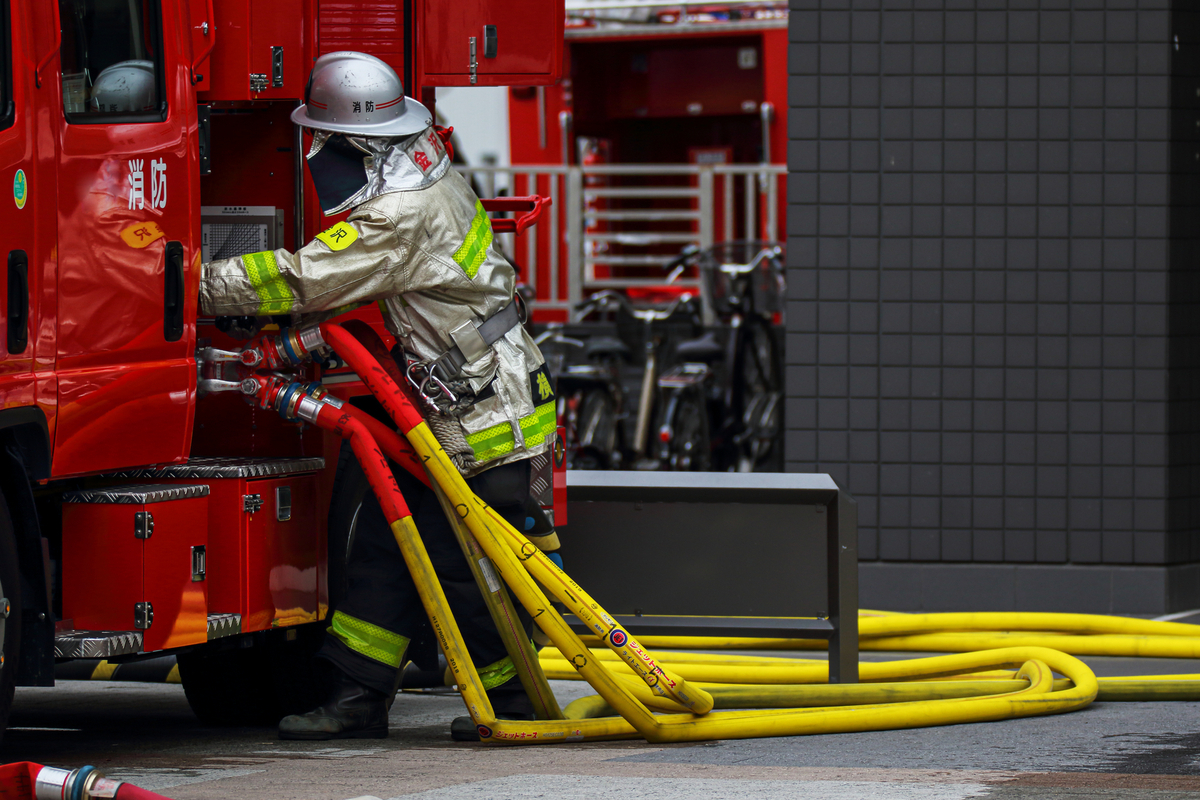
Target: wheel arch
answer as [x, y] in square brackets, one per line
[24, 457]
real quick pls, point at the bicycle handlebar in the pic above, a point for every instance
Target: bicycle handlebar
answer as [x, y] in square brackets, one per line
[685, 255]
[706, 259]
[600, 300]
[555, 334]
[771, 253]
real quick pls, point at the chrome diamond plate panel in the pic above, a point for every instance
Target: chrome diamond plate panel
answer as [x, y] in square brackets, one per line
[222, 625]
[541, 479]
[223, 467]
[135, 495]
[96, 644]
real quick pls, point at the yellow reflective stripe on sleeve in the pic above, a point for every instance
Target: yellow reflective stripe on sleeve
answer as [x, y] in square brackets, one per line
[372, 641]
[339, 236]
[473, 251]
[274, 295]
[498, 440]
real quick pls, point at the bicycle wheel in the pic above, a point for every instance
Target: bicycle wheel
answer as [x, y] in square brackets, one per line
[689, 449]
[762, 420]
[596, 430]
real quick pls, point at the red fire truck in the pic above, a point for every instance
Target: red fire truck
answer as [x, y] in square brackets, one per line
[140, 513]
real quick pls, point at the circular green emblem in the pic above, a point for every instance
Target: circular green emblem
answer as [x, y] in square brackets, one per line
[20, 188]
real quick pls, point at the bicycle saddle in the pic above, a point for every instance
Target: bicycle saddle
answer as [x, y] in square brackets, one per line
[705, 349]
[606, 346]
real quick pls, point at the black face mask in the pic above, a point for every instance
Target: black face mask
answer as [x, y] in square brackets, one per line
[338, 172]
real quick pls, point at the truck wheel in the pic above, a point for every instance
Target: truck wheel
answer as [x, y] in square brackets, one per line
[259, 685]
[300, 680]
[10, 626]
[229, 687]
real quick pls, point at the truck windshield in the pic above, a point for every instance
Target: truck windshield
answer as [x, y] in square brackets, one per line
[111, 60]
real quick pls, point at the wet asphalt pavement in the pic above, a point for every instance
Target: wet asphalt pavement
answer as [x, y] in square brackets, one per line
[146, 734]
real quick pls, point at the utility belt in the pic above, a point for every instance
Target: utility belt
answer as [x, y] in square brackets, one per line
[438, 380]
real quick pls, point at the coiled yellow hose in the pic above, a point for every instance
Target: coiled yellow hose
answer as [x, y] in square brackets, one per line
[1002, 665]
[1003, 668]
[739, 681]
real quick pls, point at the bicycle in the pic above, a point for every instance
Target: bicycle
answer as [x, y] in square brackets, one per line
[739, 289]
[591, 400]
[673, 399]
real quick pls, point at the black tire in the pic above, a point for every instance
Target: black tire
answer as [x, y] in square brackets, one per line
[260, 685]
[762, 418]
[10, 627]
[300, 680]
[229, 687]
[597, 430]
[760, 360]
[256, 686]
[690, 448]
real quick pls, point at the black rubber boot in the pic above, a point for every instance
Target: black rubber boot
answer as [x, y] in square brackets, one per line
[508, 700]
[353, 711]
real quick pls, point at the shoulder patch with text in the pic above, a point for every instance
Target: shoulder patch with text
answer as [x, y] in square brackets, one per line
[339, 237]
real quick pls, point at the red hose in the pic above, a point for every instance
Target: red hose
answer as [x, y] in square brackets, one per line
[392, 444]
[374, 464]
[373, 375]
[127, 791]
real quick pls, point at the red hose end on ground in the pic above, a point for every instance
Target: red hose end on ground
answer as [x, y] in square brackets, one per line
[26, 780]
[127, 791]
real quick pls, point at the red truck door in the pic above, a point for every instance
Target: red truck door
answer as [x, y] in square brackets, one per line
[127, 261]
[18, 255]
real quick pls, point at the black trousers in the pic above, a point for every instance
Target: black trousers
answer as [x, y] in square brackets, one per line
[380, 590]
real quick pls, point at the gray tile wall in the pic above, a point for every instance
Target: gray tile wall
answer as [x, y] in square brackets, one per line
[990, 275]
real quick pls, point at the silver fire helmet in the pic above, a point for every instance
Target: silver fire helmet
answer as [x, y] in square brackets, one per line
[359, 95]
[127, 86]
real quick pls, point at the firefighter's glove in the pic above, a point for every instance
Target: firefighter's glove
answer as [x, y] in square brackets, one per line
[239, 328]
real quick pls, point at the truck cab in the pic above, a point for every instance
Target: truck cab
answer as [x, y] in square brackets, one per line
[140, 514]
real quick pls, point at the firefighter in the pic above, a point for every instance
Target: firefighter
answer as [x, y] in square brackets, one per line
[418, 242]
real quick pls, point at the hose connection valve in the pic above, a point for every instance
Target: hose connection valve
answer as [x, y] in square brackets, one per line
[79, 784]
[291, 347]
[292, 400]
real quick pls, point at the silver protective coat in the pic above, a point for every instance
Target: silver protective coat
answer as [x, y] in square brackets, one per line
[411, 221]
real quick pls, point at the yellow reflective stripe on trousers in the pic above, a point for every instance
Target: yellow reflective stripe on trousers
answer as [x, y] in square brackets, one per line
[498, 440]
[474, 248]
[495, 674]
[274, 294]
[372, 641]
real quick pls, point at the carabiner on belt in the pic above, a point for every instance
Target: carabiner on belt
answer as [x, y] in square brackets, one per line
[439, 391]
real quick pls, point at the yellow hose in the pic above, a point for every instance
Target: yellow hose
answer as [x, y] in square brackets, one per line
[705, 696]
[1078, 634]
